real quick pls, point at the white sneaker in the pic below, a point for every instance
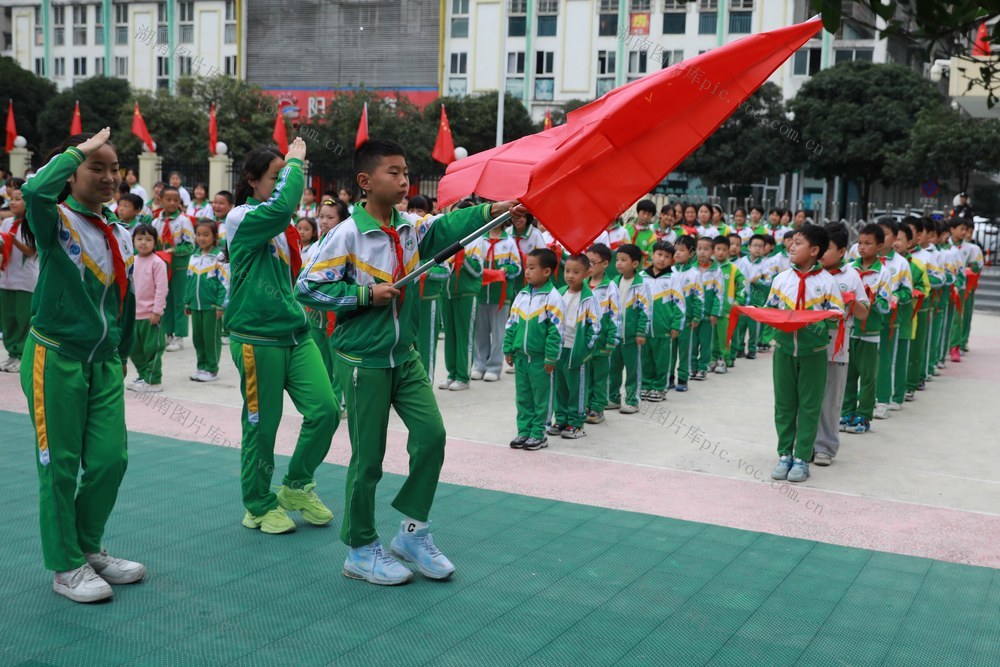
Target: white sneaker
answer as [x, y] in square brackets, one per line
[509, 370]
[881, 411]
[225, 340]
[139, 385]
[116, 570]
[490, 377]
[153, 388]
[196, 376]
[895, 407]
[458, 386]
[208, 377]
[445, 384]
[14, 366]
[82, 585]
[720, 368]
[5, 363]
[476, 375]
[175, 345]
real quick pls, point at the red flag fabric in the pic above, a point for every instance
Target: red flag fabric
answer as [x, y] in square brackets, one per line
[547, 125]
[971, 279]
[491, 276]
[294, 251]
[981, 46]
[11, 128]
[139, 129]
[362, 135]
[280, 133]
[8, 246]
[444, 146]
[786, 320]
[632, 137]
[213, 131]
[76, 126]
[167, 258]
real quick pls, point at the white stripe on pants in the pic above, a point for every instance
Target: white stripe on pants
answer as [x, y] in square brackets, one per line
[491, 322]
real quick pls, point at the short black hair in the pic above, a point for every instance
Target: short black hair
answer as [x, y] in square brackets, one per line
[917, 223]
[419, 201]
[837, 232]
[546, 258]
[666, 208]
[872, 229]
[688, 242]
[721, 240]
[369, 154]
[769, 240]
[646, 205]
[774, 210]
[581, 258]
[147, 230]
[227, 194]
[928, 224]
[907, 231]
[710, 240]
[757, 208]
[815, 236]
[734, 235]
[135, 200]
[757, 237]
[169, 188]
[888, 223]
[631, 250]
[602, 251]
[123, 188]
[958, 222]
[663, 246]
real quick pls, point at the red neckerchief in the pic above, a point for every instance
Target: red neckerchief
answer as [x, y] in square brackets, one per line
[520, 251]
[800, 299]
[557, 248]
[459, 261]
[294, 254]
[167, 235]
[117, 261]
[400, 270]
[490, 254]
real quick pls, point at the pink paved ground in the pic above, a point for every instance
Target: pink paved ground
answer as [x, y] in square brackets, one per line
[779, 508]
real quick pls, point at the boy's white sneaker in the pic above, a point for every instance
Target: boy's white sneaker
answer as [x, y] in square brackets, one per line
[458, 386]
[881, 411]
[895, 407]
[445, 384]
[476, 375]
[82, 585]
[490, 377]
[509, 370]
[208, 377]
[116, 570]
[138, 385]
[175, 345]
[196, 376]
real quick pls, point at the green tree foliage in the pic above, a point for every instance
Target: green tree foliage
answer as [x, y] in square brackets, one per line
[474, 120]
[862, 115]
[244, 114]
[177, 123]
[29, 93]
[100, 98]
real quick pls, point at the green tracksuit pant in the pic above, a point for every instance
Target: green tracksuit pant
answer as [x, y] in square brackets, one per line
[148, 344]
[598, 370]
[369, 393]
[862, 376]
[888, 347]
[318, 334]
[900, 370]
[571, 392]
[174, 319]
[915, 367]
[938, 323]
[266, 372]
[78, 412]
[702, 346]
[15, 320]
[799, 384]
[656, 363]
[532, 395]
[427, 334]
[746, 336]
[625, 358]
[685, 352]
[947, 331]
[206, 333]
[958, 320]
[970, 303]
[720, 350]
[459, 330]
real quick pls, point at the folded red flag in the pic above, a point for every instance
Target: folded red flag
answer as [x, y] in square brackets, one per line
[786, 320]
[919, 296]
[971, 280]
[8, 245]
[331, 323]
[166, 257]
[955, 300]
[491, 276]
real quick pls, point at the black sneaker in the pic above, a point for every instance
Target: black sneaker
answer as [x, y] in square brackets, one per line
[740, 354]
[555, 429]
[672, 383]
[751, 355]
[572, 433]
[531, 444]
[681, 386]
[518, 442]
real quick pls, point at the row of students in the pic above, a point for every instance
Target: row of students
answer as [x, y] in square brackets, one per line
[18, 278]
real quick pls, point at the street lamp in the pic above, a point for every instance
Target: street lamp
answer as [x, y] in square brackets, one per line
[940, 68]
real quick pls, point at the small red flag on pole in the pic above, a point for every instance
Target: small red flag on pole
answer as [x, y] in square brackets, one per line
[362, 135]
[213, 131]
[11, 128]
[981, 47]
[139, 129]
[280, 133]
[548, 120]
[444, 146]
[76, 127]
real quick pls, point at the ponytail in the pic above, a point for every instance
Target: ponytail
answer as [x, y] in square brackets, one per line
[256, 164]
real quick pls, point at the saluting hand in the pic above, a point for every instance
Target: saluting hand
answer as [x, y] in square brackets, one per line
[95, 142]
[296, 150]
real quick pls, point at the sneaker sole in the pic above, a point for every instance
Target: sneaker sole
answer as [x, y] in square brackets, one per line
[822, 464]
[310, 519]
[436, 577]
[132, 579]
[378, 582]
[66, 592]
[254, 526]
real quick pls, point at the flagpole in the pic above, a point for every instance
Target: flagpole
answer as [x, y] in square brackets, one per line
[502, 88]
[451, 250]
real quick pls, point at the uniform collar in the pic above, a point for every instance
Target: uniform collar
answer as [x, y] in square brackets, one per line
[74, 205]
[367, 224]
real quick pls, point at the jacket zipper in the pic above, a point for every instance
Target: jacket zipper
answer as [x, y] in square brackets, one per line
[104, 323]
[395, 324]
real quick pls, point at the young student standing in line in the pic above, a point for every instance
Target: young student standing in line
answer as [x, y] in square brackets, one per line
[668, 321]
[800, 357]
[847, 279]
[581, 328]
[206, 300]
[906, 315]
[465, 282]
[689, 279]
[18, 278]
[200, 206]
[636, 314]
[599, 367]
[271, 345]
[527, 237]
[710, 278]
[376, 361]
[916, 372]
[130, 213]
[151, 285]
[758, 287]
[74, 362]
[733, 291]
[498, 252]
[222, 204]
[177, 238]
[640, 233]
[902, 288]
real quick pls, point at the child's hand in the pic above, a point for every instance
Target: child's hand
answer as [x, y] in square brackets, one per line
[694, 324]
[549, 368]
[219, 314]
[296, 150]
[674, 333]
[640, 340]
[95, 142]
[509, 359]
[154, 319]
[383, 293]
[187, 311]
[713, 319]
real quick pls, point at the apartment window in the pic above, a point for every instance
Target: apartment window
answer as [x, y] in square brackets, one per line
[230, 33]
[517, 18]
[605, 62]
[60, 66]
[459, 63]
[121, 66]
[674, 23]
[544, 66]
[544, 61]
[231, 9]
[458, 86]
[737, 5]
[162, 32]
[79, 67]
[548, 17]
[59, 14]
[184, 65]
[515, 86]
[807, 62]
[515, 73]
[230, 66]
[640, 5]
[545, 89]
[39, 32]
[186, 22]
[79, 25]
[98, 25]
[847, 55]
[637, 61]
[607, 18]
[605, 84]
[460, 18]
[99, 66]
[39, 66]
[707, 22]
[121, 23]
[739, 23]
[672, 57]
[162, 72]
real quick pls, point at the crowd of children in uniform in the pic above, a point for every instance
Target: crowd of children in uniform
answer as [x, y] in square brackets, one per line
[645, 309]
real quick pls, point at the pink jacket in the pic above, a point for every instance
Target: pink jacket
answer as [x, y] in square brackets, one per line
[149, 275]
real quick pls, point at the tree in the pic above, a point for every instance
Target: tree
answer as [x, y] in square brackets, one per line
[244, 113]
[29, 93]
[751, 145]
[861, 114]
[100, 100]
[178, 124]
[473, 120]
[559, 113]
[946, 144]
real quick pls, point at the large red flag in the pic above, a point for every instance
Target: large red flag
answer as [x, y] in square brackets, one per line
[213, 131]
[362, 135]
[578, 176]
[11, 128]
[139, 129]
[444, 146]
[76, 126]
[280, 133]
[981, 46]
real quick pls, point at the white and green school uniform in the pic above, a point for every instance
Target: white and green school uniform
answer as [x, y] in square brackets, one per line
[527, 240]
[668, 315]
[689, 285]
[271, 345]
[902, 291]
[461, 304]
[18, 278]
[206, 298]
[599, 366]
[72, 367]
[758, 286]
[433, 289]
[498, 254]
[734, 292]
[636, 315]
[862, 363]
[919, 366]
[375, 355]
[580, 334]
[710, 277]
[534, 338]
[800, 358]
[177, 232]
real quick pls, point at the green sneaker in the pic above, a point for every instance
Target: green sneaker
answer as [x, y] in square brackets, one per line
[306, 501]
[274, 522]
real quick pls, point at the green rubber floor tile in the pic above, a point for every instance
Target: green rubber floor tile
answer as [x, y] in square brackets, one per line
[290, 652]
[97, 648]
[168, 657]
